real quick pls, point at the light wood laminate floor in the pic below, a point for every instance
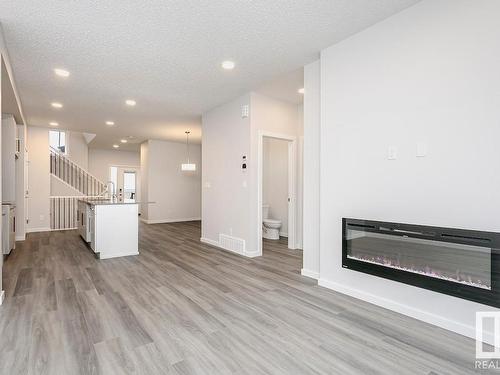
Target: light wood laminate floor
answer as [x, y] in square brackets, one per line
[182, 307]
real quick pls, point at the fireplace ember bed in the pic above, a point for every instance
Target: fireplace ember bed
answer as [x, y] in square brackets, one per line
[458, 262]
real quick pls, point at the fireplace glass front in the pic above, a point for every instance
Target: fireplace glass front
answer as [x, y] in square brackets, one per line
[459, 262]
[464, 264]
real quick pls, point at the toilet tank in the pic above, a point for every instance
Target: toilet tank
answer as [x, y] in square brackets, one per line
[265, 211]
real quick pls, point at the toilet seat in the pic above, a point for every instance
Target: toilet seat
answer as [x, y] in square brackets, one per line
[271, 221]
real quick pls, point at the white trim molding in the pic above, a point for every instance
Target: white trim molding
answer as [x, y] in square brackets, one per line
[210, 242]
[2, 297]
[309, 273]
[165, 221]
[292, 182]
[35, 230]
[450, 325]
[247, 254]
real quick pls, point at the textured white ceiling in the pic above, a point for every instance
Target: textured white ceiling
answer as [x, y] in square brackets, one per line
[164, 54]
[285, 87]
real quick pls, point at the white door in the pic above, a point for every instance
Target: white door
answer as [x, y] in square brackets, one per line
[126, 181]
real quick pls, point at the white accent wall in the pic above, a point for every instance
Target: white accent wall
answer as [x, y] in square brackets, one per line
[78, 150]
[101, 160]
[275, 180]
[311, 160]
[430, 75]
[38, 179]
[21, 185]
[230, 194]
[271, 116]
[9, 135]
[225, 194]
[176, 194]
[41, 185]
[144, 159]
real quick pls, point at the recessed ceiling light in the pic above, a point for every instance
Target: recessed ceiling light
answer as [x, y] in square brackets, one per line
[123, 141]
[130, 102]
[228, 64]
[115, 146]
[110, 123]
[56, 105]
[61, 73]
[53, 123]
[300, 91]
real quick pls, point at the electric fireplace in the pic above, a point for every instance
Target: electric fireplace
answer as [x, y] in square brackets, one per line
[458, 262]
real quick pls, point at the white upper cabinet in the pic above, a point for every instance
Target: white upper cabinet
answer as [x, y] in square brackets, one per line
[9, 131]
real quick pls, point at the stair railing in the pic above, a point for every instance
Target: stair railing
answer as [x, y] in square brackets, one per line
[75, 176]
[63, 209]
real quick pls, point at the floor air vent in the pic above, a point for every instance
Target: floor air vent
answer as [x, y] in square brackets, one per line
[231, 243]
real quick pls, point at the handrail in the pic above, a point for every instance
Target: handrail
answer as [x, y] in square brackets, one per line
[75, 196]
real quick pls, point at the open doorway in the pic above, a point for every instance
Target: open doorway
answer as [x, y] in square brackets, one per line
[126, 181]
[277, 190]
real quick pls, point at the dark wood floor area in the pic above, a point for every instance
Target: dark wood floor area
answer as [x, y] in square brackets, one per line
[182, 307]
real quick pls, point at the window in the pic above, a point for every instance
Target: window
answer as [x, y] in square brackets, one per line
[57, 140]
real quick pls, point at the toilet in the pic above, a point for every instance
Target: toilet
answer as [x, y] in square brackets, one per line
[270, 227]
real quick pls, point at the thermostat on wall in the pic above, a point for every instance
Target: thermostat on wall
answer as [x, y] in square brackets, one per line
[244, 163]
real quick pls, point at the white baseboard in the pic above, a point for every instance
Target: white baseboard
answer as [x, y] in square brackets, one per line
[2, 296]
[209, 241]
[309, 273]
[35, 230]
[164, 221]
[109, 256]
[216, 244]
[283, 234]
[20, 238]
[252, 254]
[450, 325]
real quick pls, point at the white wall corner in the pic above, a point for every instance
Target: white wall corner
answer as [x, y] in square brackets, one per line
[310, 273]
[208, 241]
[252, 254]
[248, 254]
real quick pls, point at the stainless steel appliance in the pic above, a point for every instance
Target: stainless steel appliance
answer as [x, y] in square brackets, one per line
[8, 228]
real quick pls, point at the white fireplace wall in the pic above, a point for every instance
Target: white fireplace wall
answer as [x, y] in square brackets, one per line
[426, 76]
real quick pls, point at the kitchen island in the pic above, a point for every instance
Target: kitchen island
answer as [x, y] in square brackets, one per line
[111, 227]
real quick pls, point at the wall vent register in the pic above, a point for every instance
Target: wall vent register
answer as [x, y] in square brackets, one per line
[457, 262]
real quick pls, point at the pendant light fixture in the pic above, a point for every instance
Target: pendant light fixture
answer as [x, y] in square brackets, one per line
[188, 167]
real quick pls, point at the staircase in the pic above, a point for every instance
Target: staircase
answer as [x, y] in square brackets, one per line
[63, 209]
[73, 175]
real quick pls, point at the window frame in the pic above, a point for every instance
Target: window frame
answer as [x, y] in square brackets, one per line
[65, 152]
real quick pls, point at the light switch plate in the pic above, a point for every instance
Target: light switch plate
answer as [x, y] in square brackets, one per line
[245, 111]
[421, 150]
[392, 153]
